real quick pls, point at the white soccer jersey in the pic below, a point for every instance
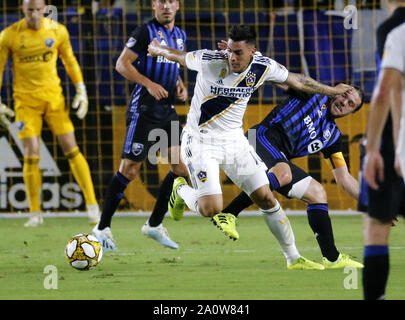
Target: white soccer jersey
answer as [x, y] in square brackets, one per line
[394, 57]
[220, 95]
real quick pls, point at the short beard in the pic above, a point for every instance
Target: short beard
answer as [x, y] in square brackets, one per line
[166, 21]
[329, 106]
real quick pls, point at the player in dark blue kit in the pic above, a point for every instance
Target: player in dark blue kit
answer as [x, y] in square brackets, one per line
[158, 84]
[302, 125]
[384, 197]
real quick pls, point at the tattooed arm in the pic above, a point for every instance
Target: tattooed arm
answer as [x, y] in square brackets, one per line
[156, 49]
[301, 82]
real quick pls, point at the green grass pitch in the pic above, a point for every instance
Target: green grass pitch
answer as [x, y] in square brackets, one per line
[208, 266]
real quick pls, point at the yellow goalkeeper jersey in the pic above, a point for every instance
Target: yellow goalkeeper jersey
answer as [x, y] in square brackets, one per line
[34, 56]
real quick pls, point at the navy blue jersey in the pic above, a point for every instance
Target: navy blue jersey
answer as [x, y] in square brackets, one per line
[302, 125]
[157, 69]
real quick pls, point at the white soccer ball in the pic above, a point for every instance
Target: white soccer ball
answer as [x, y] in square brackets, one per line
[83, 251]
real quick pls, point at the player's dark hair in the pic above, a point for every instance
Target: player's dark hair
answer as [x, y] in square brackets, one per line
[243, 33]
[362, 97]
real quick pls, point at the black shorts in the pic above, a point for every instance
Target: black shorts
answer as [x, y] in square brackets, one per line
[143, 132]
[271, 155]
[388, 201]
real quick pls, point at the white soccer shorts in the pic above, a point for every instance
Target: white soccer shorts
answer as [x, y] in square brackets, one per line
[204, 155]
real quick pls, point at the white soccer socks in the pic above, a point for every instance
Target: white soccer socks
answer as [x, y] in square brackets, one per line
[189, 195]
[280, 227]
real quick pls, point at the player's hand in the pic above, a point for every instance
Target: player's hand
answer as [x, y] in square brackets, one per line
[374, 169]
[5, 113]
[157, 91]
[343, 89]
[81, 102]
[222, 45]
[154, 48]
[182, 93]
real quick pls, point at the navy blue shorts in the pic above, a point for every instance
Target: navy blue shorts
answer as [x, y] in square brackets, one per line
[271, 155]
[388, 201]
[143, 133]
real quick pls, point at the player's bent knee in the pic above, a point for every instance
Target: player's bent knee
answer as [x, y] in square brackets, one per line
[264, 198]
[300, 188]
[285, 178]
[321, 195]
[268, 203]
[315, 193]
[283, 173]
[31, 146]
[209, 211]
[375, 232]
[209, 207]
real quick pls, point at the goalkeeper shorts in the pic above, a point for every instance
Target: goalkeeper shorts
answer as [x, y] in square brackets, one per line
[32, 108]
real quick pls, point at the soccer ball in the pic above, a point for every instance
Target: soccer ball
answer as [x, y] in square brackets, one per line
[83, 251]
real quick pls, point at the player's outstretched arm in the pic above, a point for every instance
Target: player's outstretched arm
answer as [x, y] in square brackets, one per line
[156, 49]
[346, 181]
[301, 82]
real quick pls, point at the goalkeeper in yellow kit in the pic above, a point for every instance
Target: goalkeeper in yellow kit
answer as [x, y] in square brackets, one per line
[34, 45]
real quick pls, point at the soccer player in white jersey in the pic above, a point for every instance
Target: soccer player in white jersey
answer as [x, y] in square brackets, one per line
[395, 59]
[213, 136]
[388, 96]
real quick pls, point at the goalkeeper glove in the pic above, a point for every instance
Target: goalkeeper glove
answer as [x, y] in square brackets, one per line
[80, 101]
[5, 112]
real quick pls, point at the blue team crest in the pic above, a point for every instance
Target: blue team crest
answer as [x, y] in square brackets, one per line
[20, 125]
[137, 148]
[250, 79]
[180, 44]
[327, 135]
[131, 42]
[49, 43]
